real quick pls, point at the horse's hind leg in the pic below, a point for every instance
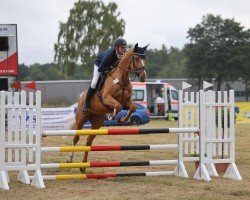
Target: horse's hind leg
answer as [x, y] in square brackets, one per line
[71, 154]
[85, 157]
[77, 126]
[96, 122]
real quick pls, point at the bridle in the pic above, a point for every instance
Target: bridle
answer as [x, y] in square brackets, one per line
[137, 71]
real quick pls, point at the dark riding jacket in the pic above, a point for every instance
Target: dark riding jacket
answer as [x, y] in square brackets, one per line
[106, 59]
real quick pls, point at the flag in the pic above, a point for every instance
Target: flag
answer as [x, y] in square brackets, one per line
[31, 85]
[16, 85]
[185, 85]
[207, 85]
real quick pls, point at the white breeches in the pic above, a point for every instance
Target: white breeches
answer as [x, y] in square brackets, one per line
[96, 76]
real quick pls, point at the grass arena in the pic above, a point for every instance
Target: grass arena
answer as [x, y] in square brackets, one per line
[162, 187]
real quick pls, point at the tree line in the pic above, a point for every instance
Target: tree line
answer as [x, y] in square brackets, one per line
[217, 49]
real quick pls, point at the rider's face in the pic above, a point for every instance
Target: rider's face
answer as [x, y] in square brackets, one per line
[121, 50]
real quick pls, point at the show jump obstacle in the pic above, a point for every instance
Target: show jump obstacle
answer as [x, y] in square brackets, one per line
[18, 139]
[179, 170]
[207, 113]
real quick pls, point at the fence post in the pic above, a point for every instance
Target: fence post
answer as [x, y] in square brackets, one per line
[202, 172]
[3, 172]
[232, 170]
[180, 170]
[38, 179]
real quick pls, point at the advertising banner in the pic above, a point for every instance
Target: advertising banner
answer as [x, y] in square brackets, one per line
[244, 112]
[8, 50]
[56, 118]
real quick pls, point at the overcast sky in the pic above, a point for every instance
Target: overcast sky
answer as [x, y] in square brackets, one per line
[147, 21]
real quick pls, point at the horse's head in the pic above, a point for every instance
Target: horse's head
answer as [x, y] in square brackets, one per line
[133, 61]
[138, 66]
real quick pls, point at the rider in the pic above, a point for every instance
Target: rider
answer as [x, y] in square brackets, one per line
[104, 61]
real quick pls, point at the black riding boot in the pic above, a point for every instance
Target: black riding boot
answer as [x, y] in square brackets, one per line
[89, 96]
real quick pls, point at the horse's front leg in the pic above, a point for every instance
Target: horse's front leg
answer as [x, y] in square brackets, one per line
[112, 103]
[131, 110]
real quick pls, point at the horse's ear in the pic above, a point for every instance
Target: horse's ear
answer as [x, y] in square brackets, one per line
[145, 48]
[136, 47]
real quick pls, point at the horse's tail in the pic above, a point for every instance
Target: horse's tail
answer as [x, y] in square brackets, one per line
[71, 123]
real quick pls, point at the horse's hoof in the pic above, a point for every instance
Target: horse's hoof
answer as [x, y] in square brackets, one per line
[110, 116]
[82, 170]
[122, 120]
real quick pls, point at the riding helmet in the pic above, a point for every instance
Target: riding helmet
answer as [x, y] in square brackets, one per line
[120, 42]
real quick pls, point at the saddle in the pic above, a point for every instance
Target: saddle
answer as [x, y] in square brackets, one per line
[101, 81]
[104, 75]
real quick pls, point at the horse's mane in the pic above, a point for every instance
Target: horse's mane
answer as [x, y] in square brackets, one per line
[125, 58]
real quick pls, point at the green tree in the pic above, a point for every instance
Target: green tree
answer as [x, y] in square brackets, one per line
[23, 72]
[214, 50]
[245, 67]
[176, 64]
[91, 27]
[156, 60]
[38, 72]
[166, 63]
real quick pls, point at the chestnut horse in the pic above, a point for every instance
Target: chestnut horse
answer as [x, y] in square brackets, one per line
[116, 93]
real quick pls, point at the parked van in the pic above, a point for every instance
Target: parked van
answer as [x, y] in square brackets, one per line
[160, 98]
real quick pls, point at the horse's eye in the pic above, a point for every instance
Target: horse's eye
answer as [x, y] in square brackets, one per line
[136, 59]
